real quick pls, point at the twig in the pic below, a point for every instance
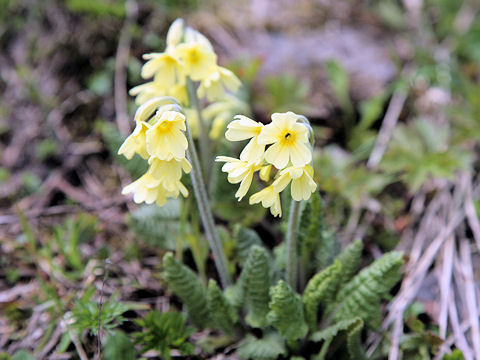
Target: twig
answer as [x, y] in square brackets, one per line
[452, 338]
[396, 334]
[51, 343]
[461, 341]
[445, 284]
[390, 120]
[417, 271]
[472, 307]
[78, 345]
[428, 221]
[472, 214]
[352, 224]
[121, 60]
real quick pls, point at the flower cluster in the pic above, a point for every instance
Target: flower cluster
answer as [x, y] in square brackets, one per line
[189, 55]
[188, 60]
[160, 140]
[289, 152]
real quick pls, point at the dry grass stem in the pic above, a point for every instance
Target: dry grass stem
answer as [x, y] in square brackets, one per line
[391, 117]
[445, 284]
[470, 298]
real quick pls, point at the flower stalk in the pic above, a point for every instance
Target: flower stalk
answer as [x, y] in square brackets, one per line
[292, 251]
[205, 211]
[205, 151]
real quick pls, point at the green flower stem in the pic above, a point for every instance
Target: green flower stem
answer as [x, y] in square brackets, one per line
[292, 254]
[182, 229]
[205, 151]
[206, 212]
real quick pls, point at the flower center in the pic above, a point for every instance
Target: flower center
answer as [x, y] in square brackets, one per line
[170, 61]
[288, 138]
[165, 126]
[193, 56]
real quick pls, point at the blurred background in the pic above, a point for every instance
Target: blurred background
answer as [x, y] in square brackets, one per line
[391, 87]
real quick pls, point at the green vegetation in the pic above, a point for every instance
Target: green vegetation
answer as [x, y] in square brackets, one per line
[85, 273]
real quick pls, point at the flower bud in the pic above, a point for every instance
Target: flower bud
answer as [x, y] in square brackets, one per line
[145, 111]
[175, 32]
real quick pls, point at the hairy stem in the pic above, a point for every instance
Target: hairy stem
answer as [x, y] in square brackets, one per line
[205, 151]
[206, 212]
[292, 254]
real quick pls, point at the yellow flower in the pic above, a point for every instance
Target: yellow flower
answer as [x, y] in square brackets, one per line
[169, 172]
[269, 198]
[289, 139]
[215, 85]
[197, 60]
[164, 66]
[165, 140]
[136, 142]
[302, 182]
[148, 189]
[244, 128]
[239, 172]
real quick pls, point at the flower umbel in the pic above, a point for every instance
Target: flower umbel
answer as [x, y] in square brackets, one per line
[160, 139]
[289, 154]
[162, 128]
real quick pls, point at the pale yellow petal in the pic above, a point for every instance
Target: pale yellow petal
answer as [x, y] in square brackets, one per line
[265, 173]
[186, 166]
[178, 144]
[225, 159]
[230, 80]
[303, 187]
[242, 128]
[278, 155]
[282, 182]
[269, 199]
[270, 133]
[285, 120]
[302, 132]
[175, 32]
[276, 208]
[128, 148]
[253, 151]
[300, 154]
[183, 189]
[244, 186]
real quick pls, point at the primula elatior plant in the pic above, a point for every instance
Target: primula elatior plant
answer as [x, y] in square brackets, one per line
[192, 98]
